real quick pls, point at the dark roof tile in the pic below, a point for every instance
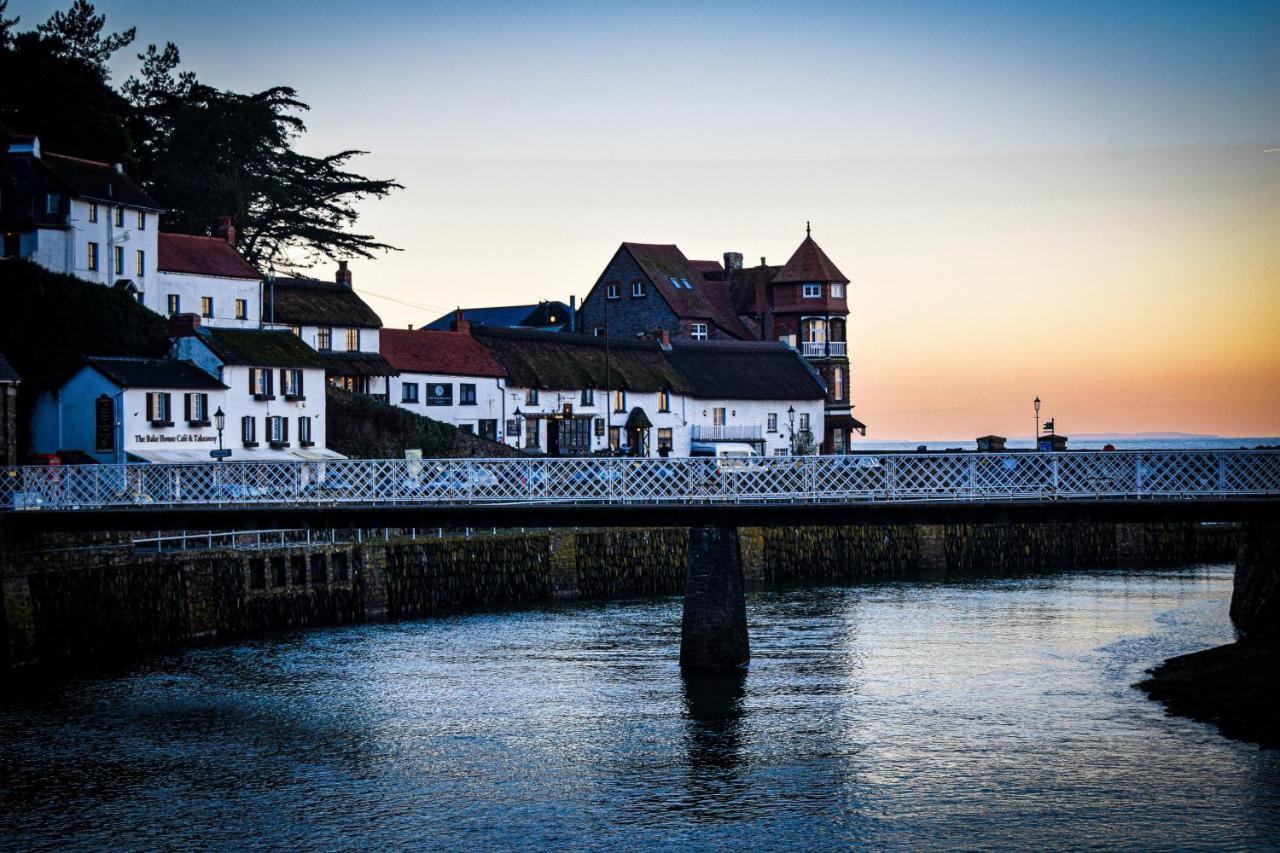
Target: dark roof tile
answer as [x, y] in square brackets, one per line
[809, 263]
[260, 348]
[153, 373]
[536, 316]
[99, 181]
[745, 370]
[357, 364]
[705, 300]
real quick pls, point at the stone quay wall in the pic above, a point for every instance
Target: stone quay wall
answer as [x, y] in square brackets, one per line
[70, 607]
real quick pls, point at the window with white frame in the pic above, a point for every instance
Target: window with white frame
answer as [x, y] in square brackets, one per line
[813, 291]
[93, 256]
[158, 410]
[278, 430]
[304, 431]
[620, 400]
[353, 340]
[291, 382]
[324, 338]
[142, 221]
[206, 307]
[409, 392]
[588, 396]
[197, 409]
[804, 421]
[717, 416]
[260, 382]
[837, 290]
[249, 431]
[93, 211]
[837, 383]
[242, 309]
[466, 393]
[698, 331]
[664, 400]
[637, 289]
[772, 422]
[597, 331]
[781, 451]
[612, 291]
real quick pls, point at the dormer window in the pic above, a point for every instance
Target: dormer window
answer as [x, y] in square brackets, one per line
[637, 289]
[813, 291]
[612, 292]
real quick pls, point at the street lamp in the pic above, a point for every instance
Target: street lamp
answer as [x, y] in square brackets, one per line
[219, 421]
[791, 420]
[1035, 438]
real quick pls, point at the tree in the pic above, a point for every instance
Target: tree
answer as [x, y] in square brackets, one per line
[77, 34]
[6, 25]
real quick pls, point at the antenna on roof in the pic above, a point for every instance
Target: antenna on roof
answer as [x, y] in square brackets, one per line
[806, 228]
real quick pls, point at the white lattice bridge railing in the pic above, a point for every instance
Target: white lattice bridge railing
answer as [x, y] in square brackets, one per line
[891, 477]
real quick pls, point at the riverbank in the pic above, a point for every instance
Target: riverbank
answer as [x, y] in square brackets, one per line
[1235, 687]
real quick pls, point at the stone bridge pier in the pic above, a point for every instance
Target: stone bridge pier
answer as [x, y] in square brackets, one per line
[714, 628]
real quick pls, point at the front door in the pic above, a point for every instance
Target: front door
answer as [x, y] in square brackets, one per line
[553, 437]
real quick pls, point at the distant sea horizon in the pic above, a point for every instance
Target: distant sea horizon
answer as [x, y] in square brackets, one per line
[1092, 441]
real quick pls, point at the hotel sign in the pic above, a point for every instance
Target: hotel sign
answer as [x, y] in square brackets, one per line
[439, 394]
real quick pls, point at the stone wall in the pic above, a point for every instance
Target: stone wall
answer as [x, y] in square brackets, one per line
[1255, 600]
[63, 606]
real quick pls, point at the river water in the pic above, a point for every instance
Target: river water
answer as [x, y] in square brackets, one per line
[985, 714]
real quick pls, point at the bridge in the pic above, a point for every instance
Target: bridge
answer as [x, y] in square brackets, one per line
[710, 496]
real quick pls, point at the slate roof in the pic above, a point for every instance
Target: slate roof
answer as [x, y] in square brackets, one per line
[710, 270]
[749, 289]
[535, 316]
[153, 373]
[310, 302]
[98, 181]
[7, 373]
[431, 351]
[187, 253]
[705, 301]
[809, 263]
[259, 347]
[745, 370]
[534, 359]
[357, 364]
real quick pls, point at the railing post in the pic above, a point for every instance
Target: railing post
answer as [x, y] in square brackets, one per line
[1222, 473]
[1055, 474]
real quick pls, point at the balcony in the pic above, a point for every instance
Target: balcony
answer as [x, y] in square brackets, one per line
[725, 433]
[821, 349]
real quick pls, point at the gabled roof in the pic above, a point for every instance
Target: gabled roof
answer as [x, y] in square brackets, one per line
[749, 289]
[309, 302]
[745, 370]
[98, 181]
[703, 301]
[259, 347]
[7, 373]
[432, 351]
[187, 253]
[809, 263]
[710, 270]
[356, 364]
[153, 373]
[569, 361]
[536, 316]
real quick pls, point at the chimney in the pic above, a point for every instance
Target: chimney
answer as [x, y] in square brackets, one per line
[343, 276]
[225, 230]
[183, 325]
[762, 263]
[411, 327]
[664, 339]
[460, 323]
[26, 144]
[732, 263]
[573, 312]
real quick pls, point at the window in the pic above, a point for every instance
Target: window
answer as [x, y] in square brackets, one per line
[813, 291]
[93, 256]
[304, 432]
[297, 331]
[530, 432]
[613, 291]
[781, 451]
[93, 211]
[260, 383]
[409, 392]
[51, 202]
[196, 409]
[353, 340]
[242, 309]
[206, 306]
[599, 428]
[637, 289]
[687, 285]
[466, 394]
[575, 435]
[597, 331]
[588, 396]
[698, 331]
[158, 411]
[837, 290]
[249, 431]
[291, 383]
[772, 422]
[489, 428]
[175, 304]
[664, 400]
[837, 442]
[675, 282]
[513, 427]
[814, 330]
[620, 400]
[531, 397]
[140, 262]
[717, 416]
[665, 439]
[615, 437]
[142, 221]
[469, 429]
[119, 217]
[837, 383]
[119, 260]
[804, 421]
[278, 431]
[324, 338]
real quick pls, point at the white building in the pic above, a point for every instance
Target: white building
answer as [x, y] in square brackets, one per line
[206, 276]
[131, 410]
[332, 319]
[275, 398]
[449, 377]
[79, 217]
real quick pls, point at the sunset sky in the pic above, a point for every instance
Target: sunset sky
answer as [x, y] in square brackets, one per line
[1074, 201]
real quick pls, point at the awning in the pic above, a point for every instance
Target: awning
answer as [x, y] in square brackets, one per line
[845, 422]
[238, 454]
[638, 419]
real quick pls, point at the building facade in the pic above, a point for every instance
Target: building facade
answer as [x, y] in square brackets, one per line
[206, 276]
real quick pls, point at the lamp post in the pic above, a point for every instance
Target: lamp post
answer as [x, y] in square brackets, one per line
[1035, 438]
[791, 421]
[519, 415]
[220, 421]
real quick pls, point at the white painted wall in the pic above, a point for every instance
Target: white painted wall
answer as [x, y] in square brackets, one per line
[225, 291]
[488, 405]
[241, 403]
[67, 251]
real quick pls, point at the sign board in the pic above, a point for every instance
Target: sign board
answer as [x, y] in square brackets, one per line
[220, 454]
[439, 394]
[104, 418]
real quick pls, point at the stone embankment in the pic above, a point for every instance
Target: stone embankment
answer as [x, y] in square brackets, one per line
[68, 607]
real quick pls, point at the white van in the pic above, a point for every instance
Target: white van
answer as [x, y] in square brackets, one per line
[723, 450]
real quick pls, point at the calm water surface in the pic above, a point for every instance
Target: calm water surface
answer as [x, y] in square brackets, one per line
[986, 714]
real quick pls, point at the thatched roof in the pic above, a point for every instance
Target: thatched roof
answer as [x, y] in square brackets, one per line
[554, 361]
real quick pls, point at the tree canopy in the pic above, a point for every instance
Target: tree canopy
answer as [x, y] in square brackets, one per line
[202, 152]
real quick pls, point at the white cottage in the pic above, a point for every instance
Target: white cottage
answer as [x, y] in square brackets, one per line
[206, 276]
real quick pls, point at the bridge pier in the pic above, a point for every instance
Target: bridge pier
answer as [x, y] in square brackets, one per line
[1255, 597]
[714, 628]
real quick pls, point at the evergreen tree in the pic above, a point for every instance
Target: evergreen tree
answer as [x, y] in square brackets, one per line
[77, 34]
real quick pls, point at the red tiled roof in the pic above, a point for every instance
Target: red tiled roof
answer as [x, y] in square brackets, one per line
[186, 253]
[708, 300]
[430, 351]
[809, 263]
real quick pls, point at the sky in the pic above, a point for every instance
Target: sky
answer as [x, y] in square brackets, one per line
[1071, 201]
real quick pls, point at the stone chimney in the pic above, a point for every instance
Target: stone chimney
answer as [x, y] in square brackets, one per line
[460, 323]
[343, 276]
[732, 263]
[664, 339]
[225, 230]
[762, 262]
[183, 325]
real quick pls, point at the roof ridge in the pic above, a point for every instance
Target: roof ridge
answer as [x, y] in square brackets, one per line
[101, 163]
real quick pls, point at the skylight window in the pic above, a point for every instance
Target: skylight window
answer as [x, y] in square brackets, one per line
[675, 282]
[687, 285]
